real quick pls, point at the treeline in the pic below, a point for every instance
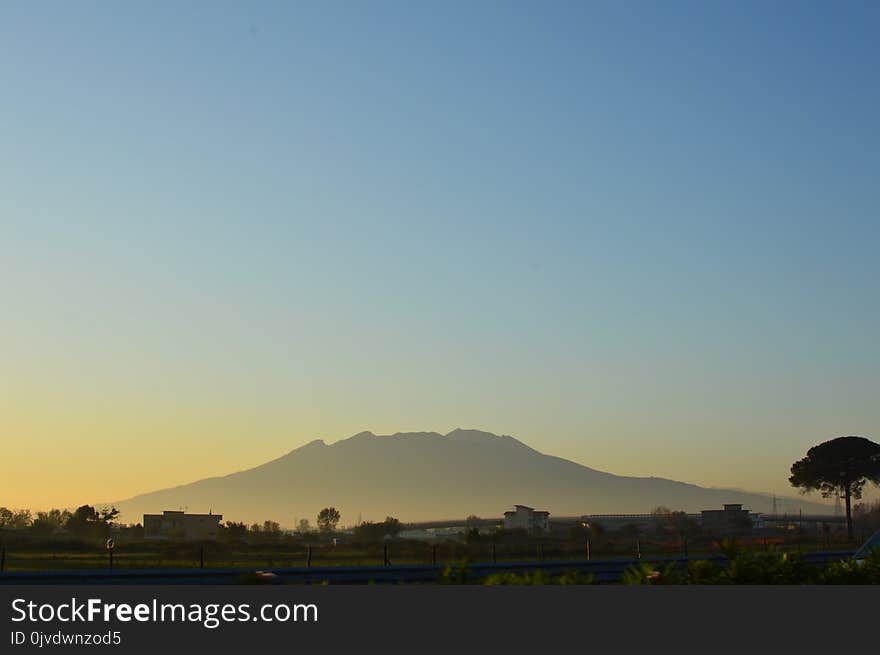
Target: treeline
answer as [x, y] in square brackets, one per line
[327, 521]
[87, 522]
[84, 521]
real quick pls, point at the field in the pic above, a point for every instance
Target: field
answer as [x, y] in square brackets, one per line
[62, 555]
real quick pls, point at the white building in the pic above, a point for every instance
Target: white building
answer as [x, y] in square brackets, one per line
[526, 518]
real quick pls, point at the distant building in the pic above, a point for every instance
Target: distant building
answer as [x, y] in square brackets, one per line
[179, 525]
[526, 518]
[417, 535]
[732, 520]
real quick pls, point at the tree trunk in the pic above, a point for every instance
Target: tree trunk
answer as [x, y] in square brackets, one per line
[849, 526]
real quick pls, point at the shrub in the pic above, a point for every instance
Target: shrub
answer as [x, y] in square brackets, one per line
[866, 571]
[455, 574]
[649, 574]
[539, 578]
[770, 568]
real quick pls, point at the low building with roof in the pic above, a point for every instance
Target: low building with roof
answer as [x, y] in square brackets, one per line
[527, 518]
[172, 524]
[730, 521]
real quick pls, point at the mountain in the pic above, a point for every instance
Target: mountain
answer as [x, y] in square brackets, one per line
[425, 476]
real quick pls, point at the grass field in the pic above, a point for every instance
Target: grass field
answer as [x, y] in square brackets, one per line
[150, 555]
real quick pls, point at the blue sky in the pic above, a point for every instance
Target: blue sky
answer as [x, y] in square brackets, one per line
[641, 237]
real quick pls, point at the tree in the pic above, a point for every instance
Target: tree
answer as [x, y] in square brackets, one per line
[303, 526]
[235, 530]
[17, 519]
[48, 523]
[271, 529]
[368, 531]
[674, 523]
[108, 515]
[662, 518]
[327, 519]
[840, 466]
[88, 521]
[82, 521]
[472, 528]
[392, 526]
[683, 526]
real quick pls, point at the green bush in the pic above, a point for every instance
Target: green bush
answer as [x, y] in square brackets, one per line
[455, 574]
[704, 571]
[744, 568]
[539, 578]
[866, 571]
[768, 568]
[641, 574]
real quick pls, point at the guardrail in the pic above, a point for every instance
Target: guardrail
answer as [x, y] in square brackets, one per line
[604, 571]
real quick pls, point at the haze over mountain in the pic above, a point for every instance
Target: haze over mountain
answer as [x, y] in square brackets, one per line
[426, 475]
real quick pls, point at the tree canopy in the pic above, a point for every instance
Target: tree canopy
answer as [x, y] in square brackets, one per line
[368, 531]
[14, 519]
[841, 466]
[50, 522]
[327, 519]
[88, 521]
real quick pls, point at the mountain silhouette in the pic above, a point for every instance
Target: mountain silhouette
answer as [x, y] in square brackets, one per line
[421, 476]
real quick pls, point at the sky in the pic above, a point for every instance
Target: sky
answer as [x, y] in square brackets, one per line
[641, 237]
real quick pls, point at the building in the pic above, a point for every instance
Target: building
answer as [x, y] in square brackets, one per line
[732, 520]
[526, 518]
[178, 525]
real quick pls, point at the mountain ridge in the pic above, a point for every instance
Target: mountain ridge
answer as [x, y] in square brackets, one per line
[419, 476]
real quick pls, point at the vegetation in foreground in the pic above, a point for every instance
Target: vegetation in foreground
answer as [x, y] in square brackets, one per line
[760, 569]
[747, 568]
